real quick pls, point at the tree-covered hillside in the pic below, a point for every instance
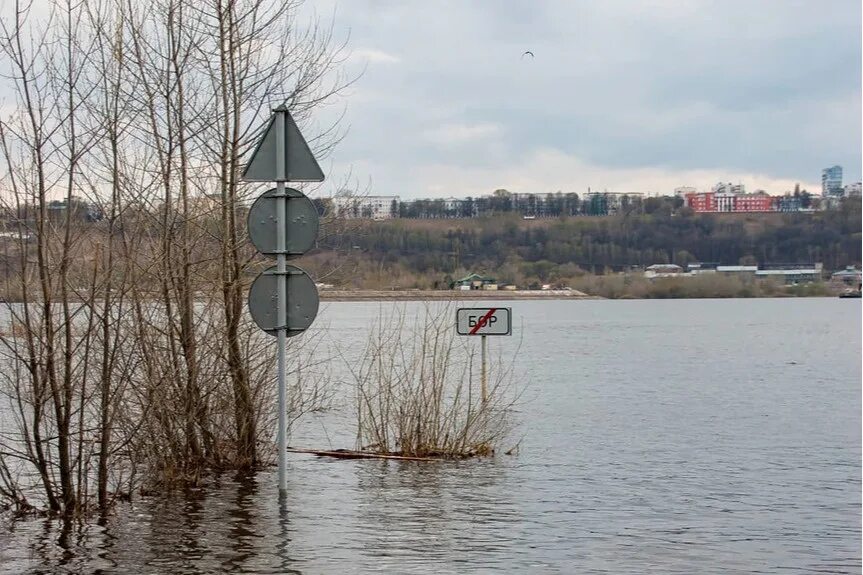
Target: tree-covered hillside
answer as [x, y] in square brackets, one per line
[428, 252]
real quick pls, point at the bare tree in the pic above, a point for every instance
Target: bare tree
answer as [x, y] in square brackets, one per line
[43, 146]
[131, 357]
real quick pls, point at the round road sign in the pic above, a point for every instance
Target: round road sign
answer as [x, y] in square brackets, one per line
[301, 223]
[302, 300]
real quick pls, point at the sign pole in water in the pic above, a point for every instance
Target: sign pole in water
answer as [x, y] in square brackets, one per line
[276, 229]
[483, 380]
[483, 321]
[281, 305]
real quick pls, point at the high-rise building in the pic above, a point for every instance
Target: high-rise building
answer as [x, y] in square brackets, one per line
[831, 182]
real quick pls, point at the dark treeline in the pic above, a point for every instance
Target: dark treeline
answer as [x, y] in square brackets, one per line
[520, 251]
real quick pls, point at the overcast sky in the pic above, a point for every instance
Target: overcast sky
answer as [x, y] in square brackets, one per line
[628, 96]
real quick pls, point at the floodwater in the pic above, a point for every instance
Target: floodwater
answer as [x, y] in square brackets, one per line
[693, 436]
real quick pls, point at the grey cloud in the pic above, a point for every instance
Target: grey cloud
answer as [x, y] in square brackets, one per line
[770, 87]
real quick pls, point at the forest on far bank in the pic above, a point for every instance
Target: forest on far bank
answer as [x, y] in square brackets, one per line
[429, 254]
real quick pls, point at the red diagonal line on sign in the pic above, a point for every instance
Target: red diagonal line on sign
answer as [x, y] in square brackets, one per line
[483, 320]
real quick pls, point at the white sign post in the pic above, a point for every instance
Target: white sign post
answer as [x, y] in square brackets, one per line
[483, 321]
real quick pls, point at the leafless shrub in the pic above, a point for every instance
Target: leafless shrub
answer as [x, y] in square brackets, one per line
[417, 389]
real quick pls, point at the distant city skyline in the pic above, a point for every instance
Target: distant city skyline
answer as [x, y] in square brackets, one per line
[721, 185]
[627, 96]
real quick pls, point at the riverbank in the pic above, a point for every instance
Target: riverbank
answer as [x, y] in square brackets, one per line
[708, 286]
[601, 288]
[450, 295]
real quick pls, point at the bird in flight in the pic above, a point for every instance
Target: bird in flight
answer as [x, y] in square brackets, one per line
[528, 53]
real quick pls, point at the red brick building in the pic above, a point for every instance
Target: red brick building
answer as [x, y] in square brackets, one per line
[707, 202]
[701, 202]
[753, 203]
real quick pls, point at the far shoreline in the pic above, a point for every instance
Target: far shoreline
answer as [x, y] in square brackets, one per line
[522, 295]
[452, 295]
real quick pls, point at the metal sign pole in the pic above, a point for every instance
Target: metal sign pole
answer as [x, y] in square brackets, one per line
[282, 154]
[483, 380]
[282, 304]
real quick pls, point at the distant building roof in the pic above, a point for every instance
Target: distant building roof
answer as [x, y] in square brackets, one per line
[665, 267]
[791, 266]
[737, 268]
[475, 277]
[787, 272]
[848, 272]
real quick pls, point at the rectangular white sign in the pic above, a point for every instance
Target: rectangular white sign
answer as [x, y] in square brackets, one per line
[483, 321]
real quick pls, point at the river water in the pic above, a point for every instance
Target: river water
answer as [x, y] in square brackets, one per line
[687, 436]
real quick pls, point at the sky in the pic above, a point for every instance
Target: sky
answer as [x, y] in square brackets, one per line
[624, 96]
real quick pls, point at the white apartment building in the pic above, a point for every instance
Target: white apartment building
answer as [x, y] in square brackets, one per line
[452, 204]
[367, 207]
[852, 189]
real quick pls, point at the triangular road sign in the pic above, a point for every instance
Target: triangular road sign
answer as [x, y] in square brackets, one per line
[300, 163]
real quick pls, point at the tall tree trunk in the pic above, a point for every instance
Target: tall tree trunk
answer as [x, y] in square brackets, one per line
[232, 289]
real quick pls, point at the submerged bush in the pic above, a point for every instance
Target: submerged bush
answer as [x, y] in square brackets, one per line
[418, 390]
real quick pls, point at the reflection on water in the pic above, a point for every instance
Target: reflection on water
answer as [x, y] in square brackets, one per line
[665, 437]
[419, 514]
